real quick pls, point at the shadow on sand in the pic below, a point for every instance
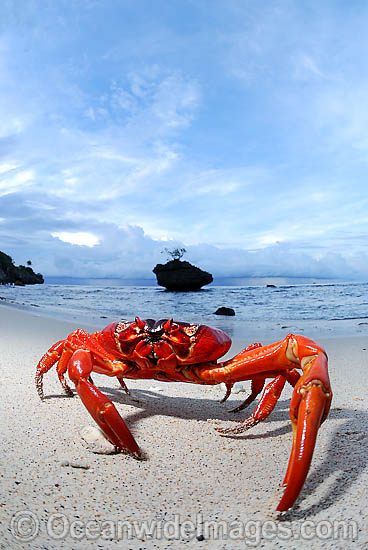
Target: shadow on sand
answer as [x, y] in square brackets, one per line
[346, 455]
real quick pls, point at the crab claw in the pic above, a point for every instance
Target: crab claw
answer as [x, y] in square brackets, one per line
[309, 407]
[310, 413]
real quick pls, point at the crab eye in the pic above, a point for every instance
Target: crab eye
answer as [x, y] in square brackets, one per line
[167, 326]
[190, 330]
[141, 324]
[170, 326]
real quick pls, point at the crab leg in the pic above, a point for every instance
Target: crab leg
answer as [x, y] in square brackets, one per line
[62, 368]
[271, 392]
[124, 386]
[99, 406]
[264, 408]
[256, 388]
[46, 362]
[229, 386]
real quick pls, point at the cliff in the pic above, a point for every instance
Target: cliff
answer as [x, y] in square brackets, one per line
[19, 275]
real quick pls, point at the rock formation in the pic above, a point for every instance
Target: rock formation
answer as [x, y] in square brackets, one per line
[181, 276]
[18, 275]
[229, 311]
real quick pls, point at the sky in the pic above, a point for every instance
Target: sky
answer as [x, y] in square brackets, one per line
[235, 129]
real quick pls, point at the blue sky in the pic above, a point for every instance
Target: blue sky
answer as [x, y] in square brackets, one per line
[236, 129]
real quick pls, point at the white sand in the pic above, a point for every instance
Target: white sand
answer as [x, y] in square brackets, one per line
[192, 476]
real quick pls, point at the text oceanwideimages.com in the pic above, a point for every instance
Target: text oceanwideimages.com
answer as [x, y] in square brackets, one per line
[25, 526]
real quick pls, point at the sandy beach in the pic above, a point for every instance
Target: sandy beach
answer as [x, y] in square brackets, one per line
[192, 479]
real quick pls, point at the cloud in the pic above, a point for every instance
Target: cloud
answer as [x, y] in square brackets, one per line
[60, 246]
[238, 131]
[79, 238]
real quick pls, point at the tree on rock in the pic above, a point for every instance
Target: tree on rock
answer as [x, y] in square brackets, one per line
[175, 254]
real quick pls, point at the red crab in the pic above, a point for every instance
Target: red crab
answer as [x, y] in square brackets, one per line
[182, 352]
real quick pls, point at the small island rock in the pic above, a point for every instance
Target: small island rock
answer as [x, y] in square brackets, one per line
[181, 276]
[225, 311]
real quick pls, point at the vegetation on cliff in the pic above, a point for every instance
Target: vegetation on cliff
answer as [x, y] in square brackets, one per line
[19, 275]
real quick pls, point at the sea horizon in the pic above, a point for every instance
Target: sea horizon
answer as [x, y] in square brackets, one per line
[264, 280]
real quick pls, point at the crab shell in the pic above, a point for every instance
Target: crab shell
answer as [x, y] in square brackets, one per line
[165, 342]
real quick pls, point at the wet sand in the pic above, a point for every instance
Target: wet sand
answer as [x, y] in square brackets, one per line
[193, 479]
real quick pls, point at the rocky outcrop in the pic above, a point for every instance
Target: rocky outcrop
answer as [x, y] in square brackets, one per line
[225, 311]
[18, 275]
[181, 276]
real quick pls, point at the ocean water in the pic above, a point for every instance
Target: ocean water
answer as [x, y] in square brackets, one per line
[282, 303]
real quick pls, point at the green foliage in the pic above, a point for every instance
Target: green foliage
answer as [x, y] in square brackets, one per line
[10, 273]
[6, 262]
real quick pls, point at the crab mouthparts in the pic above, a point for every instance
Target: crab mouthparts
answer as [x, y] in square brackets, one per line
[155, 328]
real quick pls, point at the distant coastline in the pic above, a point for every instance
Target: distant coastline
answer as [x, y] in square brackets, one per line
[218, 281]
